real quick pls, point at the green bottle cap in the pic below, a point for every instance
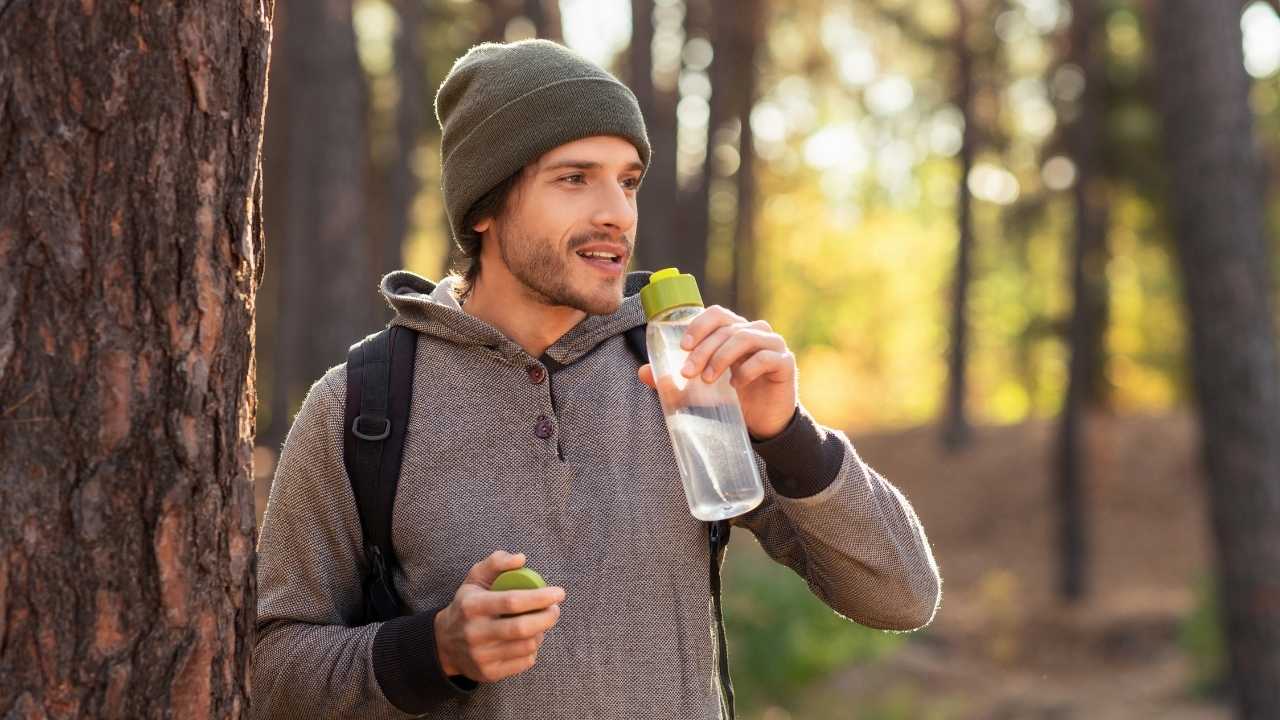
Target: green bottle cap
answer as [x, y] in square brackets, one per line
[521, 579]
[669, 288]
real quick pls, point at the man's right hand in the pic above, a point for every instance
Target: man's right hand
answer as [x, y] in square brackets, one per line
[475, 638]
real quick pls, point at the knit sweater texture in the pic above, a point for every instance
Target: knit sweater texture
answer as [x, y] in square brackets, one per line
[597, 507]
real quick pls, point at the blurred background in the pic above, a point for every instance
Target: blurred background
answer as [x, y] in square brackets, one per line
[960, 215]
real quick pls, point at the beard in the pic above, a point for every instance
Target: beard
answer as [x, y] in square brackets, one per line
[549, 278]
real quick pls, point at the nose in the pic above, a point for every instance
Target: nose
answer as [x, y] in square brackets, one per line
[615, 209]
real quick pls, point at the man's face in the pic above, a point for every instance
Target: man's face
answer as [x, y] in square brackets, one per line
[570, 207]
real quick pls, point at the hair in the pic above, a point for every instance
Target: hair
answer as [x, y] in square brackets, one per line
[490, 205]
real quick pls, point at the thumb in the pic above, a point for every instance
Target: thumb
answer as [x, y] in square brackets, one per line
[646, 375]
[487, 570]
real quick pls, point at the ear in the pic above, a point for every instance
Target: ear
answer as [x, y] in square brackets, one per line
[483, 225]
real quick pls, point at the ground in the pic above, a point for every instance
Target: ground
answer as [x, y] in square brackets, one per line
[1002, 645]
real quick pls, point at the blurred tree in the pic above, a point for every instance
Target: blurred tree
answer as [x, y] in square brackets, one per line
[130, 254]
[1089, 291]
[327, 280]
[746, 20]
[657, 240]
[694, 217]
[1224, 258]
[541, 19]
[412, 119]
[956, 431]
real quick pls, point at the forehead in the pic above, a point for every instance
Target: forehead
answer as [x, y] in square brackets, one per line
[602, 149]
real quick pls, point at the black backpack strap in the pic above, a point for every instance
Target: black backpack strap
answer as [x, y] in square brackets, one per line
[717, 539]
[379, 390]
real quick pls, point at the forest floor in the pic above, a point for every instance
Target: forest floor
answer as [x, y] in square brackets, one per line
[1002, 645]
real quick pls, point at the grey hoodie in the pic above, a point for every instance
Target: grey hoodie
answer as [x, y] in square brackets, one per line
[565, 458]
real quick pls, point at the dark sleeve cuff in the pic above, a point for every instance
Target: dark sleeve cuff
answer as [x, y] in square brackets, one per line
[803, 459]
[407, 668]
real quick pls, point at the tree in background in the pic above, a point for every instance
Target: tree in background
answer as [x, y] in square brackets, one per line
[131, 249]
[326, 274]
[1084, 137]
[658, 235]
[1217, 218]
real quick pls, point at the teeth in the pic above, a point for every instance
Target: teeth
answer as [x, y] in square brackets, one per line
[606, 256]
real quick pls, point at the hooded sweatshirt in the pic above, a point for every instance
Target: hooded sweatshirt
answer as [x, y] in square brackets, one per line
[566, 458]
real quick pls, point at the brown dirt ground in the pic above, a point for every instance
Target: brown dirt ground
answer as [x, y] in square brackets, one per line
[1002, 645]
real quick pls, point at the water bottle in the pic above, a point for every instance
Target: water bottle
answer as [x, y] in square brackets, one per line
[708, 433]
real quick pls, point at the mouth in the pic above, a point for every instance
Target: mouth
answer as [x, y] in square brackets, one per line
[604, 261]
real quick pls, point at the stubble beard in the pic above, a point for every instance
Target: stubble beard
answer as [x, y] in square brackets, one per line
[546, 275]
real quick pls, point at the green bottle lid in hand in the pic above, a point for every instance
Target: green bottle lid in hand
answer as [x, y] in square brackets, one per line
[521, 579]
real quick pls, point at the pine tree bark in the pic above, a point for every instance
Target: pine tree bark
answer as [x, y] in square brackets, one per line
[1223, 254]
[130, 254]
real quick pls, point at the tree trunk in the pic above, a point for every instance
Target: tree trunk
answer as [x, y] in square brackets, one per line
[956, 430]
[748, 32]
[328, 285]
[130, 253]
[657, 243]
[545, 16]
[410, 126]
[1223, 254]
[694, 218]
[1089, 291]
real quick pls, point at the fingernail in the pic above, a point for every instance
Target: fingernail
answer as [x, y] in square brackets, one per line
[688, 368]
[708, 375]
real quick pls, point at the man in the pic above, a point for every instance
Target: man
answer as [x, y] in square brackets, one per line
[533, 439]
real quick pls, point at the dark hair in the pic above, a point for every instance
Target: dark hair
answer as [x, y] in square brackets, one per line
[490, 205]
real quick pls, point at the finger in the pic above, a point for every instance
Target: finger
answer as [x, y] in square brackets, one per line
[500, 651]
[697, 358]
[508, 668]
[744, 343]
[521, 627]
[487, 570]
[778, 366]
[486, 603]
[706, 323]
[646, 375]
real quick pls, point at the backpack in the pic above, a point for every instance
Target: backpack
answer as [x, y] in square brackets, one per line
[379, 390]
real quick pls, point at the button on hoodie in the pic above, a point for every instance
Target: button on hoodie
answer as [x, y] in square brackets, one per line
[544, 428]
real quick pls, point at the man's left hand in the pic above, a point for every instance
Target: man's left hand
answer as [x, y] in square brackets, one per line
[763, 369]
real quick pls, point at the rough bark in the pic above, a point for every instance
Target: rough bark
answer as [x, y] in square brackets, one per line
[1223, 255]
[130, 254]
[956, 428]
[1089, 291]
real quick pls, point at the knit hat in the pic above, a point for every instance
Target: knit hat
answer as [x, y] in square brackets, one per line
[503, 106]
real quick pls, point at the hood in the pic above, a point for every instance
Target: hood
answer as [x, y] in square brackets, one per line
[433, 308]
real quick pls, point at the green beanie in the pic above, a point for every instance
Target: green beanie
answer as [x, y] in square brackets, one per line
[503, 106]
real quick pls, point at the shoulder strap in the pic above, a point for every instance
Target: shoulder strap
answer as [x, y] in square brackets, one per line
[379, 390]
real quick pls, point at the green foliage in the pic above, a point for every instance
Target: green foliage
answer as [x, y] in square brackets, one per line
[1201, 636]
[781, 637]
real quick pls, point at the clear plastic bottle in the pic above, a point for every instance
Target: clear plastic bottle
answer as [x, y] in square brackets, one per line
[704, 420]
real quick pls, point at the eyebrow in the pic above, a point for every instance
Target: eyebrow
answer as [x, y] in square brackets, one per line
[588, 165]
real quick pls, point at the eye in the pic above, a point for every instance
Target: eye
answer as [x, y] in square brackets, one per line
[631, 183]
[575, 179]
